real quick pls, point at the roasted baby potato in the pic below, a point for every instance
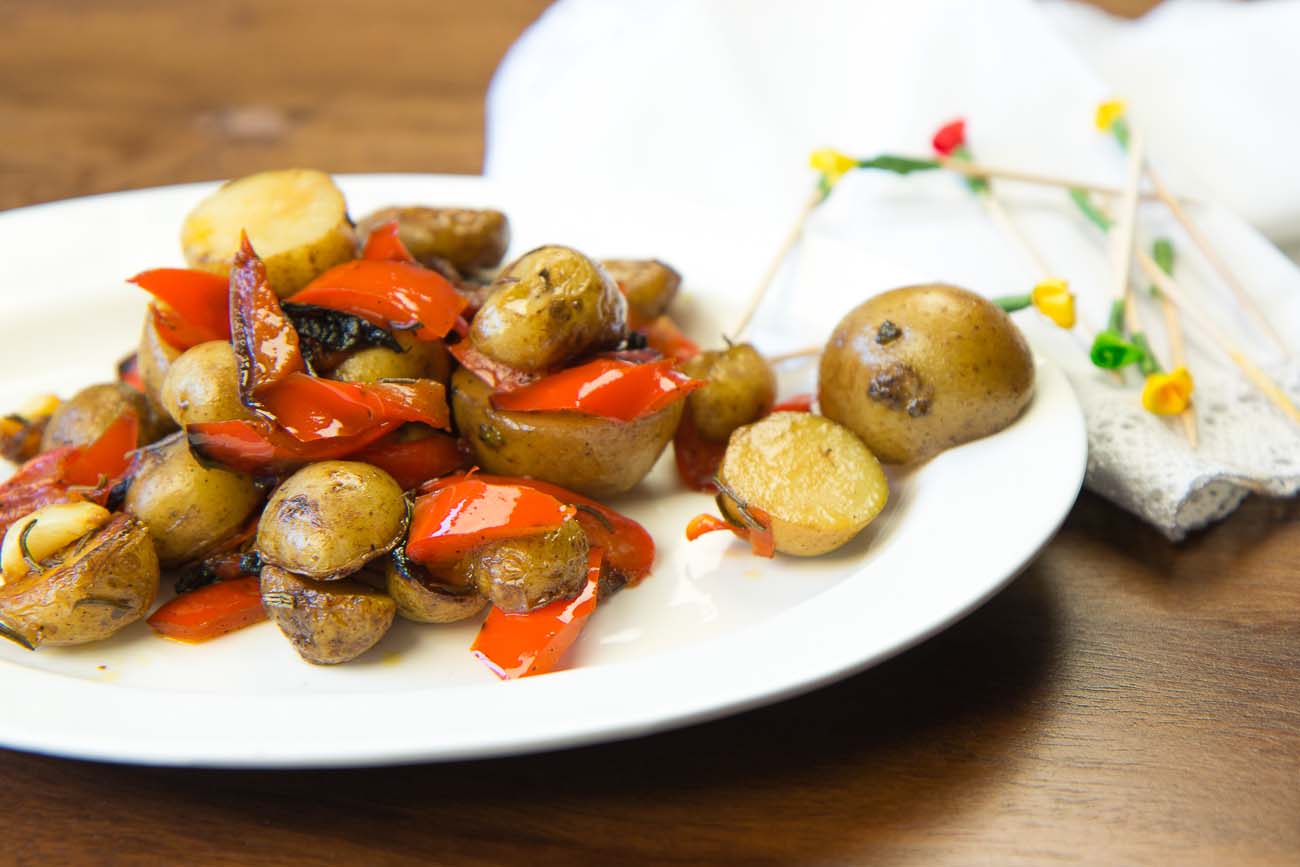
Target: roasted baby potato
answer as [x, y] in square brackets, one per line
[425, 599]
[188, 508]
[594, 456]
[88, 413]
[330, 518]
[741, 388]
[91, 588]
[648, 285]
[816, 480]
[202, 385]
[548, 307]
[327, 623]
[296, 220]
[21, 431]
[920, 369]
[467, 238]
[419, 359]
[525, 573]
[154, 358]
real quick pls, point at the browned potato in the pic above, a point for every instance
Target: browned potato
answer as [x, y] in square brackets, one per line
[81, 419]
[467, 238]
[920, 369]
[425, 599]
[549, 307]
[522, 574]
[188, 508]
[420, 359]
[648, 285]
[327, 623]
[330, 518]
[154, 357]
[296, 220]
[87, 591]
[741, 388]
[817, 481]
[202, 385]
[593, 456]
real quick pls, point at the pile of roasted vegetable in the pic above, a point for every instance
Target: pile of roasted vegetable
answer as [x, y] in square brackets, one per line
[282, 444]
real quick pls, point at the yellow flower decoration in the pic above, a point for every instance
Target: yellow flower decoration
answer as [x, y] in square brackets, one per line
[1109, 112]
[1054, 300]
[832, 164]
[1167, 393]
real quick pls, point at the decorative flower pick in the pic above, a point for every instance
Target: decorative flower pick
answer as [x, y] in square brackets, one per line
[1052, 298]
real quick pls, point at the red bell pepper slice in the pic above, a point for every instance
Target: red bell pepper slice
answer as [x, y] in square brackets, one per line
[385, 245]
[662, 334]
[414, 462]
[20, 501]
[211, 611]
[500, 377]
[605, 387]
[197, 304]
[522, 645]
[257, 447]
[798, 403]
[697, 459]
[760, 539]
[311, 409]
[629, 548]
[459, 517]
[108, 456]
[390, 294]
[266, 344]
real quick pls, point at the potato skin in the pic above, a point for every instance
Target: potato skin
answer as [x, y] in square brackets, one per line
[548, 307]
[523, 574]
[202, 385]
[421, 359]
[82, 418]
[104, 582]
[154, 356]
[814, 478]
[593, 456]
[467, 238]
[330, 518]
[425, 600]
[741, 388]
[327, 623]
[648, 285]
[957, 370]
[188, 508]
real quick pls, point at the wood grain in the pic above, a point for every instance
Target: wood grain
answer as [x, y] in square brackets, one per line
[1124, 701]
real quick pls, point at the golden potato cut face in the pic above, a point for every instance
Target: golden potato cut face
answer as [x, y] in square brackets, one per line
[816, 480]
[296, 220]
[920, 369]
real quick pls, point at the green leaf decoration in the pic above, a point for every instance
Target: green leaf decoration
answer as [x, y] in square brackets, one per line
[898, 165]
[1085, 205]
[1110, 351]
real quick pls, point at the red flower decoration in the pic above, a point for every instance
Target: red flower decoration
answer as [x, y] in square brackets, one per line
[950, 137]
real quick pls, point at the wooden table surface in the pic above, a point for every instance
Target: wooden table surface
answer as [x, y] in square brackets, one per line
[1124, 701]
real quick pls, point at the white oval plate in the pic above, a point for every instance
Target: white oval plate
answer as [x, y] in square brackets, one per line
[713, 631]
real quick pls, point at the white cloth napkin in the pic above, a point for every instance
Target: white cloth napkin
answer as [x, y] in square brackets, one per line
[724, 99]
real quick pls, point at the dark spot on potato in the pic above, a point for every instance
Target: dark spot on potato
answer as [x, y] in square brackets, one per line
[898, 386]
[887, 333]
[301, 507]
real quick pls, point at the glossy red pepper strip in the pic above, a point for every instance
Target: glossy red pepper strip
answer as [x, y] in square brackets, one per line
[522, 645]
[760, 538]
[629, 548]
[384, 244]
[311, 409]
[605, 387]
[500, 377]
[266, 344]
[197, 304]
[459, 517]
[108, 457]
[210, 611]
[414, 462]
[390, 294]
[257, 447]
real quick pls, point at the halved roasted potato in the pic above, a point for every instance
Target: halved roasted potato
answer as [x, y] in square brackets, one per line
[468, 238]
[86, 591]
[595, 456]
[327, 623]
[741, 388]
[525, 573]
[425, 599]
[296, 220]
